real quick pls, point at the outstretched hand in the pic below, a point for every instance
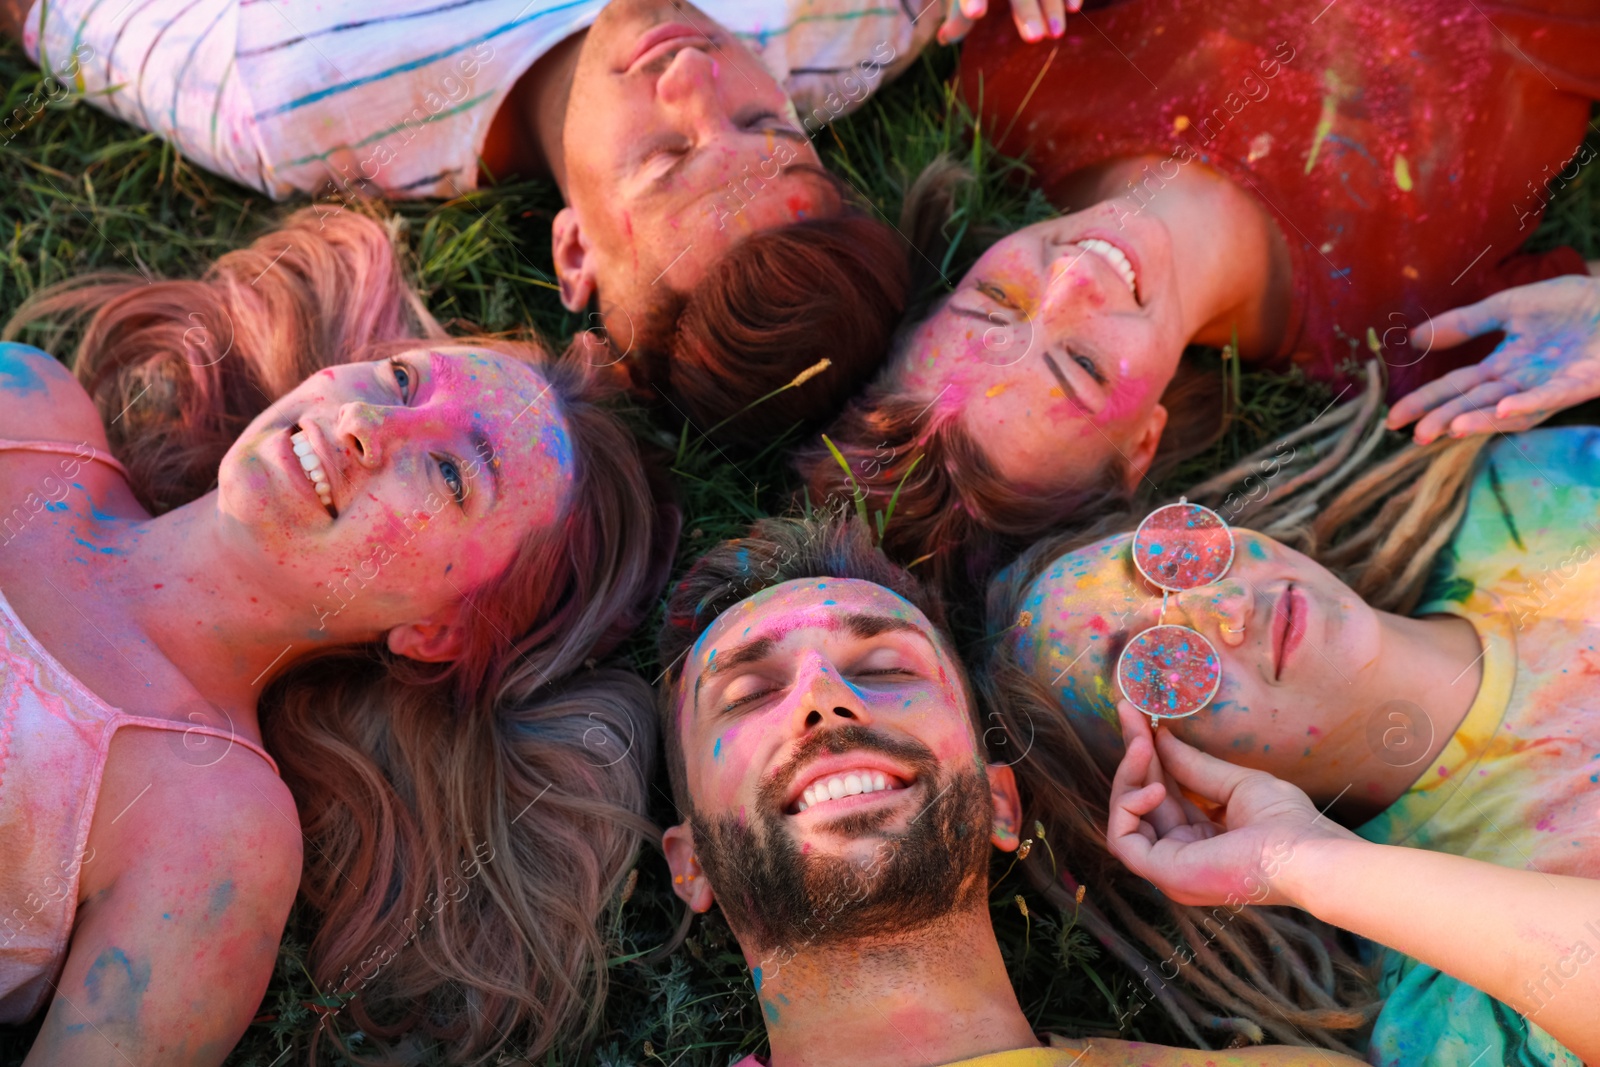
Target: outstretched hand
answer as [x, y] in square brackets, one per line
[1162, 836]
[1549, 360]
[1034, 18]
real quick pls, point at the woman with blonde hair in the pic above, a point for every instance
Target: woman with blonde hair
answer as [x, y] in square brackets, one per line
[282, 520]
[1404, 642]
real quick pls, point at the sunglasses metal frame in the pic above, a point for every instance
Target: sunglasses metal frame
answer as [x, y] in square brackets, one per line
[1233, 547]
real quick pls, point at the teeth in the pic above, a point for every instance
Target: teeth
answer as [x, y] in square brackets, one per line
[1114, 256]
[848, 784]
[312, 466]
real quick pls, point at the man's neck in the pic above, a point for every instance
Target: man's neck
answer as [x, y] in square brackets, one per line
[525, 136]
[937, 996]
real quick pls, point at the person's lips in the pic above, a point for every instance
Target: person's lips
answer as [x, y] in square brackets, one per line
[658, 40]
[1288, 627]
[837, 783]
[309, 453]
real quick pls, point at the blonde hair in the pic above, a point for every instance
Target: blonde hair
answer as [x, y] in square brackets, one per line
[1379, 526]
[472, 820]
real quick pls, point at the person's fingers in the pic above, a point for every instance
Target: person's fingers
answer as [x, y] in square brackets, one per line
[1484, 417]
[1542, 400]
[974, 9]
[1204, 775]
[1426, 397]
[1452, 327]
[955, 27]
[1074, 6]
[1029, 19]
[1055, 17]
[1482, 397]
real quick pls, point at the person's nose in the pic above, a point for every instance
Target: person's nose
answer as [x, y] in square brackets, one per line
[826, 699]
[1222, 610]
[360, 429]
[1070, 282]
[688, 90]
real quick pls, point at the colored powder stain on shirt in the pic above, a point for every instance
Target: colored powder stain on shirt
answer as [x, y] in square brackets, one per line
[1402, 174]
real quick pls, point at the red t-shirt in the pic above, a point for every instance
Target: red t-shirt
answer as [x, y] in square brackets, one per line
[1405, 149]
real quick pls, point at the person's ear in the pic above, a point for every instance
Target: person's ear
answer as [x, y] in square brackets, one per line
[688, 880]
[575, 266]
[1145, 444]
[428, 641]
[1007, 803]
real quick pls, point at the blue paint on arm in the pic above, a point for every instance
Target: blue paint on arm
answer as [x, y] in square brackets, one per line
[23, 368]
[115, 987]
[221, 897]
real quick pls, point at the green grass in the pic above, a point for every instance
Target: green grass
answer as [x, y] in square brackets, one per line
[82, 192]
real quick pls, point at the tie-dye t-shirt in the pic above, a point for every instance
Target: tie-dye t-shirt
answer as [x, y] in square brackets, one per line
[1519, 783]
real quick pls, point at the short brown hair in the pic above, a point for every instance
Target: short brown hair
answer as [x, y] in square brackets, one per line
[777, 304]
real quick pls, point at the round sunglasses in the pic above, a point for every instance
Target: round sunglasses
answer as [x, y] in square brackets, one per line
[1170, 671]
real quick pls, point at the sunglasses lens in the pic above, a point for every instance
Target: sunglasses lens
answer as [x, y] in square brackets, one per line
[1183, 546]
[1169, 671]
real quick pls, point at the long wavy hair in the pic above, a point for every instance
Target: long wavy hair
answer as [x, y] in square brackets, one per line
[1379, 525]
[467, 824]
[1275, 972]
[954, 515]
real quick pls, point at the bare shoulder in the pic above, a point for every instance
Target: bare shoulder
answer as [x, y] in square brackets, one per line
[198, 803]
[41, 400]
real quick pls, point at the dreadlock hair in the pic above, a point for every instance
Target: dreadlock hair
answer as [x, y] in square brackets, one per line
[827, 544]
[414, 784]
[951, 506]
[787, 325]
[1381, 529]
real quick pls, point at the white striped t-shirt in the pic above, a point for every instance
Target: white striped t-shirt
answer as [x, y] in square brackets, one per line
[288, 95]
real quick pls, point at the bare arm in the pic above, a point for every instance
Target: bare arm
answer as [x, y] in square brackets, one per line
[171, 955]
[1492, 927]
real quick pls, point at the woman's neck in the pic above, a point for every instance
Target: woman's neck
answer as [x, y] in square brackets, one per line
[1231, 262]
[226, 626]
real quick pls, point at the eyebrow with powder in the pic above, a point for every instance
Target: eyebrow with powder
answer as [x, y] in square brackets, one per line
[865, 626]
[751, 652]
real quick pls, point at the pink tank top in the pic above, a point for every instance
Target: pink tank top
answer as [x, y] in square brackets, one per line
[54, 736]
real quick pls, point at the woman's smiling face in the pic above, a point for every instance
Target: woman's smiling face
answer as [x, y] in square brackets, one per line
[1295, 645]
[411, 479]
[1056, 347]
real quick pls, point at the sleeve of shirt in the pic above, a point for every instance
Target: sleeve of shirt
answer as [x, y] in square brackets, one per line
[166, 66]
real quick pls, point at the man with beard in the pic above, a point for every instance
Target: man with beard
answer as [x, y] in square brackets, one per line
[825, 753]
